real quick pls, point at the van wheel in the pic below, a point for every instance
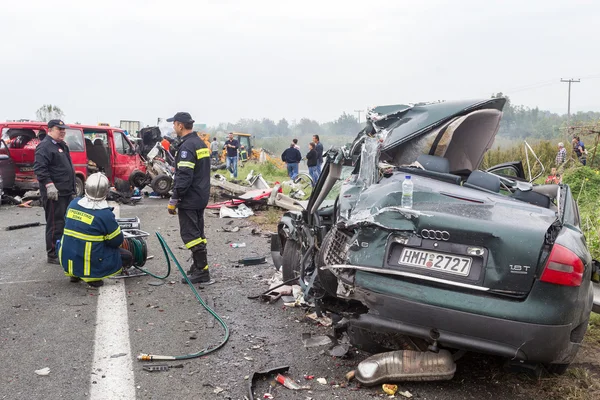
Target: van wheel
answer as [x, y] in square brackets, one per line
[161, 184]
[290, 264]
[79, 187]
[138, 179]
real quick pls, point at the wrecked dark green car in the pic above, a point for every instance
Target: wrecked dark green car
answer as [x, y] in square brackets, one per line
[484, 261]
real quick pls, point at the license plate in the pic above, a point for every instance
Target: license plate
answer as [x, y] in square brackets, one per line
[447, 263]
[26, 169]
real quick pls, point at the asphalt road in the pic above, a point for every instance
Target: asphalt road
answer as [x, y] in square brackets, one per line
[46, 321]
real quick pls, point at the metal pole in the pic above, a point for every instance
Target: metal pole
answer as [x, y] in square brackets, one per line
[569, 81]
[358, 111]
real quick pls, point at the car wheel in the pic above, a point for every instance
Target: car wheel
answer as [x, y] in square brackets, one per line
[576, 337]
[161, 184]
[138, 179]
[79, 187]
[290, 267]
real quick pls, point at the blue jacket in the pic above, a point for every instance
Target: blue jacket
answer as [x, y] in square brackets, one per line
[291, 156]
[89, 248]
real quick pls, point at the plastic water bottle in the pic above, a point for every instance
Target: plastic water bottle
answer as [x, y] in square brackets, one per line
[407, 192]
[237, 245]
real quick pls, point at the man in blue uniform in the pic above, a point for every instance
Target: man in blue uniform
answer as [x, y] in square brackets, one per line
[90, 247]
[191, 191]
[54, 170]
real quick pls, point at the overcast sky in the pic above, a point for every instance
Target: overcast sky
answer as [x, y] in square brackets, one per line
[103, 61]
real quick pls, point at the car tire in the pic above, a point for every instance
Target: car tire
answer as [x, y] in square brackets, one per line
[79, 187]
[290, 267]
[576, 337]
[138, 179]
[161, 184]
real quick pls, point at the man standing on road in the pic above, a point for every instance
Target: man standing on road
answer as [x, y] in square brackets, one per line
[190, 194]
[232, 146]
[291, 156]
[319, 150]
[56, 176]
[214, 149]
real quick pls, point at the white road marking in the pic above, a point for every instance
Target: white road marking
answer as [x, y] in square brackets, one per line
[112, 338]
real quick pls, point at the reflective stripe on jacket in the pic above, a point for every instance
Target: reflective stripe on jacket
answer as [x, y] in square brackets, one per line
[89, 248]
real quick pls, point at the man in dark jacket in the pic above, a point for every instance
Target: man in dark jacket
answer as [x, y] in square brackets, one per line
[291, 156]
[311, 163]
[190, 194]
[56, 176]
[232, 146]
[319, 150]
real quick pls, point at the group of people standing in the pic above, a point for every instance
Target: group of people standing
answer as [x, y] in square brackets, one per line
[314, 158]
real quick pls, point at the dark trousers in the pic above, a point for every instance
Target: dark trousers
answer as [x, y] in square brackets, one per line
[126, 257]
[55, 221]
[191, 229]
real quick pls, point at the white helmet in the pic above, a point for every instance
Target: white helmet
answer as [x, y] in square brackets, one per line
[96, 187]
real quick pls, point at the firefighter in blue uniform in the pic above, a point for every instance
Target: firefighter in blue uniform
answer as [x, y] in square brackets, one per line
[191, 191]
[90, 247]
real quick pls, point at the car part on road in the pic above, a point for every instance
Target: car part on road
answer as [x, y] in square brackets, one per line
[263, 374]
[253, 260]
[21, 226]
[406, 365]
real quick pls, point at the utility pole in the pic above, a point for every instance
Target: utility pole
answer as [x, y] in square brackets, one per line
[569, 99]
[358, 111]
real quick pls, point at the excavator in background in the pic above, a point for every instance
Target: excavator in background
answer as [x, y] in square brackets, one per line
[252, 154]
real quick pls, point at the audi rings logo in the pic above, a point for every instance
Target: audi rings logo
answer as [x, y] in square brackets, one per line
[435, 235]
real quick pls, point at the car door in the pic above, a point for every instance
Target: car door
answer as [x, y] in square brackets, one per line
[125, 159]
[7, 167]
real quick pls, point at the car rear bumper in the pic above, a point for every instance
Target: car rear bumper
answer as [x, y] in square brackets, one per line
[467, 331]
[26, 183]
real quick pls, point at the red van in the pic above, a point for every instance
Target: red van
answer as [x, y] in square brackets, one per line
[93, 148]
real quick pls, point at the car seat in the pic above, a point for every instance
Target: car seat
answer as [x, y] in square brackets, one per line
[483, 180]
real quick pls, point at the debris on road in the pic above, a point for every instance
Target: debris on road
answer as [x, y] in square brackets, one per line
[406, 394]
[253, 260]
[315, 341]
[322, 381]
[159, 367]
[406, 365]
[118, 355]
[231, 230]
[264, 374]
[237, 245]
[290, 383]
[43, 371]
[21, 226]
[242, 211]
[350, 375]
[325, 321]
[389, 389]
[339, 351]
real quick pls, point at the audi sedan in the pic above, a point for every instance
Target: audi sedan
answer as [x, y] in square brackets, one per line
[483, 261]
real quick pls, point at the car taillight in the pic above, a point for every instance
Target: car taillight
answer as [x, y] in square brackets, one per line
[563, 267]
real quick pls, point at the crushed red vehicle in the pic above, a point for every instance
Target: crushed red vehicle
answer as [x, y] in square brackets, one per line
[93, 149]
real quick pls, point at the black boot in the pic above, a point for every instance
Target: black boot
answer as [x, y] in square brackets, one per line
[199, 271]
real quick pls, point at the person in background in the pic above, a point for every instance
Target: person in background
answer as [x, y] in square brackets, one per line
[311, 163]
[214, 149]
[579, 150]
[319, 150]
[232, 146]
[55, 173]
[90, 247]
[583, 158]
[295, 141]
[561, 156]
[243, 153]
[291, 156]
[554, 177]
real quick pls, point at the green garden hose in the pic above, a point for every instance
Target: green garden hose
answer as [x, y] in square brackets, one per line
[169, 255]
